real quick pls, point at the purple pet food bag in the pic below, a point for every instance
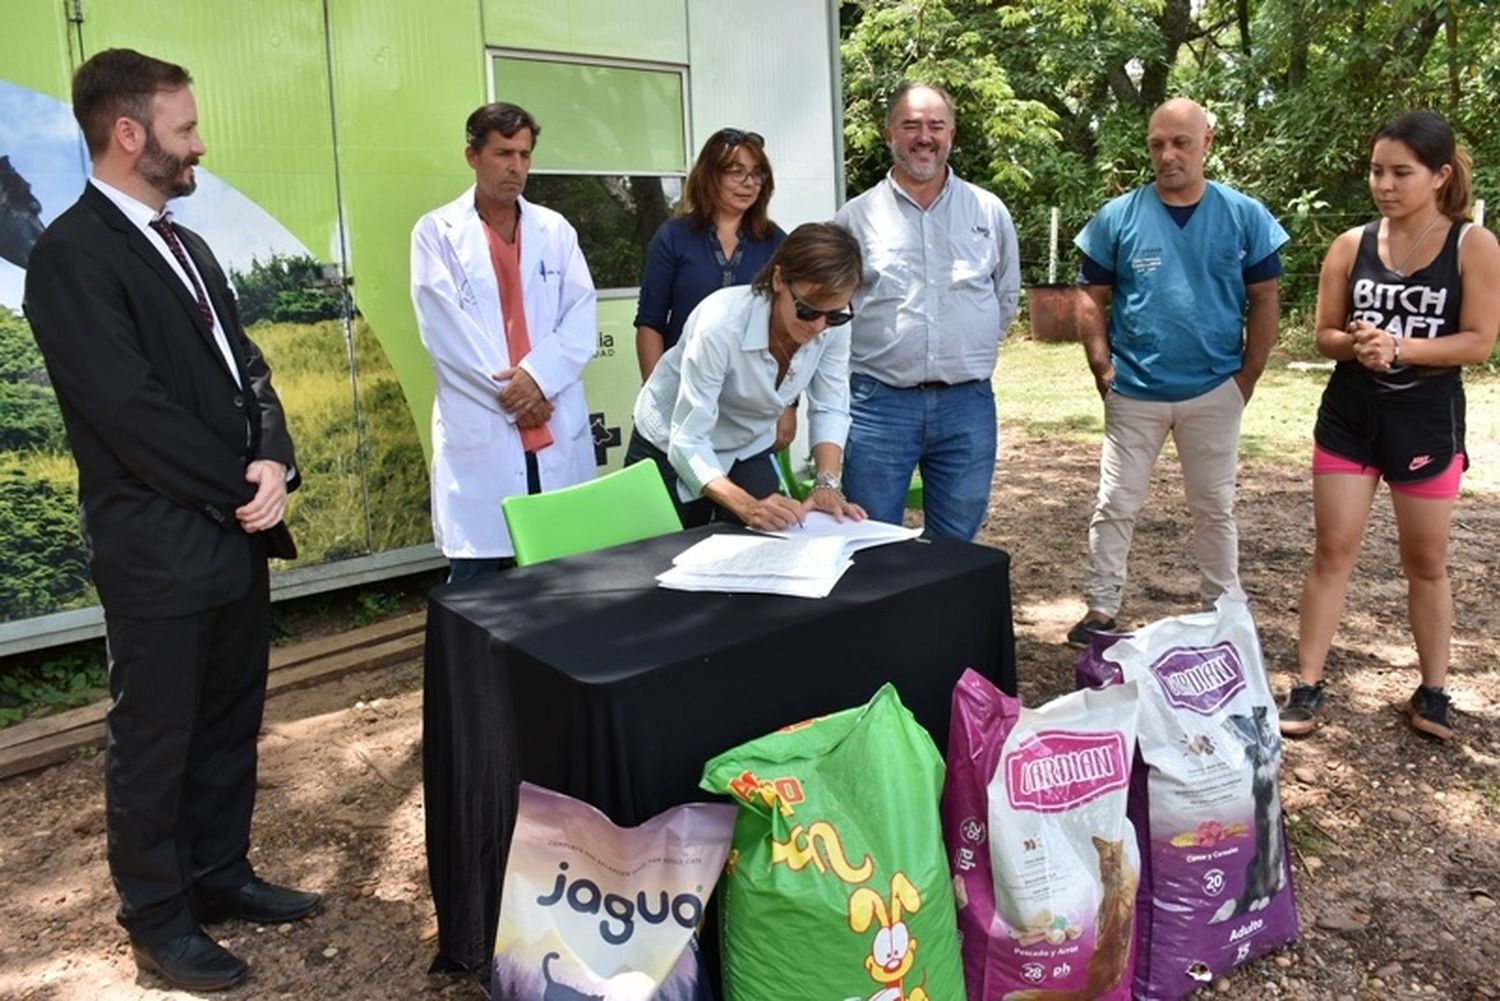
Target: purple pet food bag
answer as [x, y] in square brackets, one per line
[1092, 669]
[1216, 880]
[982, 718]
[1045, 862]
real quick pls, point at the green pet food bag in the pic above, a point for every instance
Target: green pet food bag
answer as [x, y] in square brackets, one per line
[837, 884]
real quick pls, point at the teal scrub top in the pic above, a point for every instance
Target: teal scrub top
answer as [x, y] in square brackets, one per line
[1177, 310]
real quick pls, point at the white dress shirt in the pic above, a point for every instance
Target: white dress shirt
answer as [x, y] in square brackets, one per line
[713, 398]
[142, 215]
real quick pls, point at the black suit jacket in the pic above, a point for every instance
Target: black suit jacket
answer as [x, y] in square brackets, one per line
[157, 425]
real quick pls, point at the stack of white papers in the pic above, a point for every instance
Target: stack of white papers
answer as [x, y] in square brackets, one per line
[804, 562]
[856, 535]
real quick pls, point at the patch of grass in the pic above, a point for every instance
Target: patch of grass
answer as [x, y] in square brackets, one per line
[1307, 837]
[1048, 391]
[1489, 794]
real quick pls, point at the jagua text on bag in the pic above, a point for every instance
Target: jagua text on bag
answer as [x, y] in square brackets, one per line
[585, 897]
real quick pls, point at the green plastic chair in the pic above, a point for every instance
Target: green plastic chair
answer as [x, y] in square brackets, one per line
[623, 506]
[795, 489]
[799, 489]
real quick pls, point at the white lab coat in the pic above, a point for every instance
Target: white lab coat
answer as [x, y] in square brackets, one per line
[477, 457]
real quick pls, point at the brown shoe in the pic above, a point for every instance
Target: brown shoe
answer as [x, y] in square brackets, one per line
[1427, 709]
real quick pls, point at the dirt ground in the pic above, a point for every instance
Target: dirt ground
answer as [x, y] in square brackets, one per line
[1396, 840]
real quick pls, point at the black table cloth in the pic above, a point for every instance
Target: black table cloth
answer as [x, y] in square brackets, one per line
[584, 676]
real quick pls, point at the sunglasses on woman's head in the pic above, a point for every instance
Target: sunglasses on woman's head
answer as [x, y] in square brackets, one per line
[807, 314]
[738, 137]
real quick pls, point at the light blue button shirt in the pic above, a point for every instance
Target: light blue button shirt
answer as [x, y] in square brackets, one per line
[940, 284]
[713, 400]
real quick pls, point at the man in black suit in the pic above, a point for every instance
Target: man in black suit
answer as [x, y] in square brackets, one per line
[184, 464]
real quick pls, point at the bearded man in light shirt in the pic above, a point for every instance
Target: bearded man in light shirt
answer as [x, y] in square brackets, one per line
[941, 281]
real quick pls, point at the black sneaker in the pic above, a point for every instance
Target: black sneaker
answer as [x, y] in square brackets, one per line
[1303, 711]
[1082, 634]
[1428, 711]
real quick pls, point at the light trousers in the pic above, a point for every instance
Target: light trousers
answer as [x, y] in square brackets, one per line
[1206, 431]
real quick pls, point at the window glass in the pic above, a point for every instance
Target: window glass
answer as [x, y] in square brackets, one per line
[598, 119]
[615, 215]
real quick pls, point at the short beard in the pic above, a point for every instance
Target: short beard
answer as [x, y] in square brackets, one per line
[920, 175]
[163, 171]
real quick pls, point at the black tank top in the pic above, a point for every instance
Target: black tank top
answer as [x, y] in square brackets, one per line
[1425, 303]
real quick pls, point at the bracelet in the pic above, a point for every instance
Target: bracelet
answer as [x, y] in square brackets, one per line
[828, 479]
[1395, 350]
[829, 486]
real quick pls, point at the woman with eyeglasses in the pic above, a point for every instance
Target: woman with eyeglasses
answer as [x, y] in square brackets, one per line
[721, 236]
[707, 414]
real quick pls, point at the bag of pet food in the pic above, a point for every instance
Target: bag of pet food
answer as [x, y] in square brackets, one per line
[1216, 883]
[837, 886]
[1063, 853]
[595, 911]
[982, 718]
[1092, 669]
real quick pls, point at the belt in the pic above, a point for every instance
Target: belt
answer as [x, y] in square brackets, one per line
[940, 384]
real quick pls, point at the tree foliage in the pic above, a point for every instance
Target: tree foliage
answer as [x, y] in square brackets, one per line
[29, 418]
[1053, 97]
[43, 564]
[285, 289]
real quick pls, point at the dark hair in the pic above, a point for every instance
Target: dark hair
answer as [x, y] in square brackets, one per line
[1432, 140]
[498, 116]
[119, 83]
[700, 196]
[821, 253]
[907, 86]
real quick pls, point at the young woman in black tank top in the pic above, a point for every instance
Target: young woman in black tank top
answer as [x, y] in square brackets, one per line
[1403, 303]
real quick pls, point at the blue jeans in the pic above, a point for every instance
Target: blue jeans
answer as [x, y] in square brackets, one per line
[949, 432]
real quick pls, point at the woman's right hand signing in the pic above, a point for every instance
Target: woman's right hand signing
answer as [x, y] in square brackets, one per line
[774, 513]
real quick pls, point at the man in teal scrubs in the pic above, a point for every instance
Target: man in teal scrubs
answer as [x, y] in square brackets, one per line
[1175, 264]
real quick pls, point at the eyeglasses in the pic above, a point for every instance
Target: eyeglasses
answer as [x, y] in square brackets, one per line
[739, 173]
[807, 314]
[738, 137]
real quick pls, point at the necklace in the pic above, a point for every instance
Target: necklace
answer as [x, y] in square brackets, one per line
[1400, 269]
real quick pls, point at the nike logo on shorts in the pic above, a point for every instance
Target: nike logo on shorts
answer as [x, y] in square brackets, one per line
[1419, 462]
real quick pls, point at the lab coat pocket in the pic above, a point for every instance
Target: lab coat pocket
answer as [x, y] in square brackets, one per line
[463, 425]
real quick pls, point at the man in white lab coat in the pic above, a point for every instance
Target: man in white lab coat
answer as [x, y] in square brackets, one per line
[506, 308]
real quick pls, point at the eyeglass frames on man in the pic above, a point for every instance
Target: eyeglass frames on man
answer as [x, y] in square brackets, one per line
[807, 314]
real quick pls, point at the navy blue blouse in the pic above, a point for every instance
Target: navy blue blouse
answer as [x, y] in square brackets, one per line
[682, 268]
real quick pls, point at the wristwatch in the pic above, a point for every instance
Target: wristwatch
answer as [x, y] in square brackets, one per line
[829, 480]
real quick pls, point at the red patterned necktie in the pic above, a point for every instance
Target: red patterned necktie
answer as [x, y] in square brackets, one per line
[163, 225]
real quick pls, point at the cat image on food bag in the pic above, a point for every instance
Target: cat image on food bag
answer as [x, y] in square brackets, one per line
[893, 951]
[1265, 875]
[1063, 854]
[633, 986]
[1116, 928]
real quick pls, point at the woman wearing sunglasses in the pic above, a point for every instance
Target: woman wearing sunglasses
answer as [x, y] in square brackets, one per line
[707, 415]
[721, 236]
